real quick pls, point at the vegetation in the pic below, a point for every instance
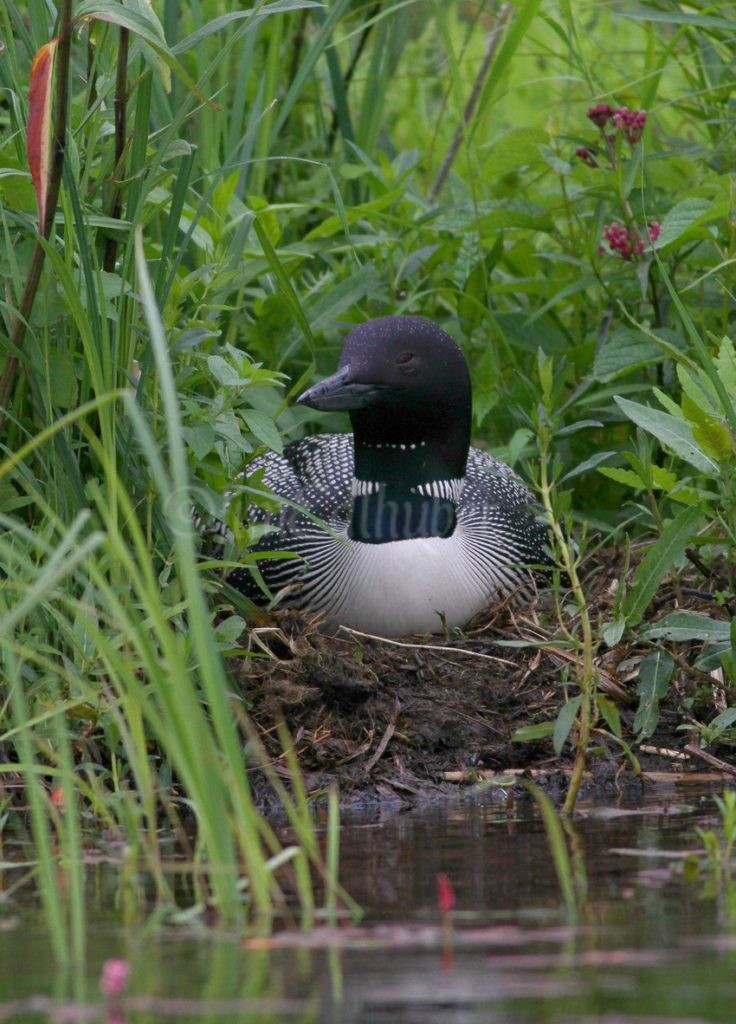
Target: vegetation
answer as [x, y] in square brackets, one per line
[236, 187]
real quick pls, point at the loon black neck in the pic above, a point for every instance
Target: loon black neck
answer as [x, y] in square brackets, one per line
[406, 490]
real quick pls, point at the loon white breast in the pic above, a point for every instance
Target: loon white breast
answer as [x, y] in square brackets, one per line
[421, 531]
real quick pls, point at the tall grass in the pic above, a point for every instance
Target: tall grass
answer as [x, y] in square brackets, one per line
[241, 185]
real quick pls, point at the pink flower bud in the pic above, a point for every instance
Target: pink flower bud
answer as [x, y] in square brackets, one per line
[587, 156]
[631, 123]
[600, 114]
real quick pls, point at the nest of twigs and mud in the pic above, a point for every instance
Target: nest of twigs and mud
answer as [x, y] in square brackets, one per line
[401, 721]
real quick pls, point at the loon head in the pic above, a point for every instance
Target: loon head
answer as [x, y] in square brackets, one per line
[406, 386]
[403, 381]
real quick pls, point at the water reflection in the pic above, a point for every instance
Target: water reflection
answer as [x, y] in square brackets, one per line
[647, 945]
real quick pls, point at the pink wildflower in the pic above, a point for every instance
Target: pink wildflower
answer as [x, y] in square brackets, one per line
[587, 156]
[600, 114]
[631, 123]
[655, 229]
[617, 236]
[114, 977]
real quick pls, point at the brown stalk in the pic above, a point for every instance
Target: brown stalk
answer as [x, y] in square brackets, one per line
[120, 102]
[20, 326]
[503, 16]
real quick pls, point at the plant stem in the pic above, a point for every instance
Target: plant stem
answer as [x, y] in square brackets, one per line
[121, 97]
[20, 326]
[503, 16]
[586, 673]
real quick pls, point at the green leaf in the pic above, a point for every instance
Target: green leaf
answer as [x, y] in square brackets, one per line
[609, 713]
[658, 561]
[514, 149]
[200, 437]
[655, 672]
[624, 352]
[332, 225]
[662, 479]
[264, 428]
[689, 626]
[230, 629]
[224, 373]
[527, 733]
[62, 380]
[565, 721]
[714, 439]
[612, 632]
[680, 218]
[627, 477]
[670, 431]
[139, 18]
[588, 464]
[726, 366]
[676, 17]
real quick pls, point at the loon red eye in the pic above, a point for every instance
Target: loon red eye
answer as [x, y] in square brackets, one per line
[405, 357]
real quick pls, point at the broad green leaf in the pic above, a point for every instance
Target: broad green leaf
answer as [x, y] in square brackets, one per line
[200, 437]
[609, 713]
[493, 214]
[701, 394]
[714, 439]
[676, 222]
[528, 733]
[612, 632]
[670, 431]
[658, 561]
[662, 479]
[723, 721]
[627, 477]
[668, 403]
[689, 626]
[623, 352]
[229, 629]
[264, 428]
[565, 721]
[726, 366]
[139, 18]
[513, 149]
[62, 380]
[224, 373]
[587, 465]
[655, 672]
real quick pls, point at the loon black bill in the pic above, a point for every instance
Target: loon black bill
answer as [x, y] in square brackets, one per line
[340, 392]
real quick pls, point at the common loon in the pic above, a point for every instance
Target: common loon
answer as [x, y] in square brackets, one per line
[422, 532]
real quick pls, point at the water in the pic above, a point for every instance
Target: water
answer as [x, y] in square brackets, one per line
[649, 945]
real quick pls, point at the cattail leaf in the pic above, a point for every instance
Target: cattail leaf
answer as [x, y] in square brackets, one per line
[38, 137]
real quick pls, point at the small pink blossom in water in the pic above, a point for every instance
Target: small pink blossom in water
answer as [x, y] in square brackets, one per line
[114, 977]
[631, 123]
[600, 114]
[587, 156]
[445, 894]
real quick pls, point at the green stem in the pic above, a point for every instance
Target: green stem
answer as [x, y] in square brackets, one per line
[586, 672]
